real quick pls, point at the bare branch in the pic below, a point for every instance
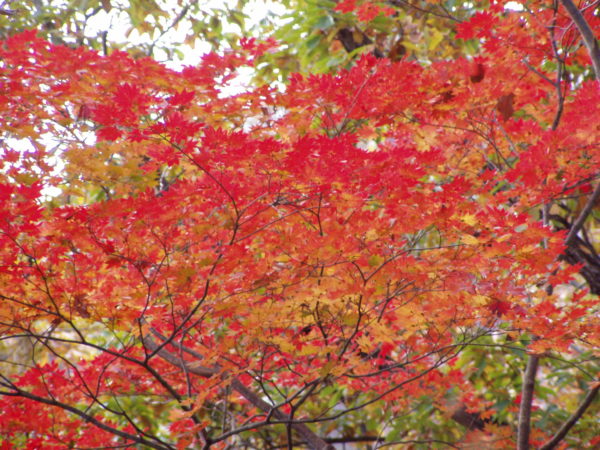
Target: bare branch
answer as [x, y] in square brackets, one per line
[583, 215]
[88, 418]
[589, 40]
[314, 441]
[526, 400]
[564, 429]
[202, 371]
[593, 49]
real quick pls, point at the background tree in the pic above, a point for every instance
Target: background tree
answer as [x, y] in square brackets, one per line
[157, 28]
[365, 257]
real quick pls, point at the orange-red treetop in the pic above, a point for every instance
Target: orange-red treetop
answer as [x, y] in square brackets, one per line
[357, 229]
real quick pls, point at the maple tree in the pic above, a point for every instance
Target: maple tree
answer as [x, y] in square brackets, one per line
[369, 256]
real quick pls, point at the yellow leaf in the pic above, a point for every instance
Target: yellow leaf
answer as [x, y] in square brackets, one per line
[470, 240]
[375, 261]
[480, 300]
[326, 369]
[469, 219]
[205, 262]
[436, 37]
[309, 350]
[282, 258]
[371, 235]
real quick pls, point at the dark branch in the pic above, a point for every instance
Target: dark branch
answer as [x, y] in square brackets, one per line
[593, 49]
[589, 40]
[587, 210]
[524, 426]
[88, 418]
[469, 420]
[564, 429]
[303, 430]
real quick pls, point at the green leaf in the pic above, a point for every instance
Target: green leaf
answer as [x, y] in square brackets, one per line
[312, 42]
[324, 22]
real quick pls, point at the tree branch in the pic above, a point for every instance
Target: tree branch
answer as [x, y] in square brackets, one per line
[469, 420]
[314, 441]
[86, 417]
[591, 43]
[524, 426]
[585, 212]
[564, 429]
[587, 34]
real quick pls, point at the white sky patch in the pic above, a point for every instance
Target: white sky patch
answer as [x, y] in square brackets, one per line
[119, 30]
[514, 6]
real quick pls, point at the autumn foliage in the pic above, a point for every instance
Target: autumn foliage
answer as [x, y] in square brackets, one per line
[183, 267]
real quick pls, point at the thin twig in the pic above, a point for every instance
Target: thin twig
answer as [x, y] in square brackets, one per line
[173, 24]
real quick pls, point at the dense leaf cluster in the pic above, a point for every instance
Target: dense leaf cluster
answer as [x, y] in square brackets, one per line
[371, 255]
